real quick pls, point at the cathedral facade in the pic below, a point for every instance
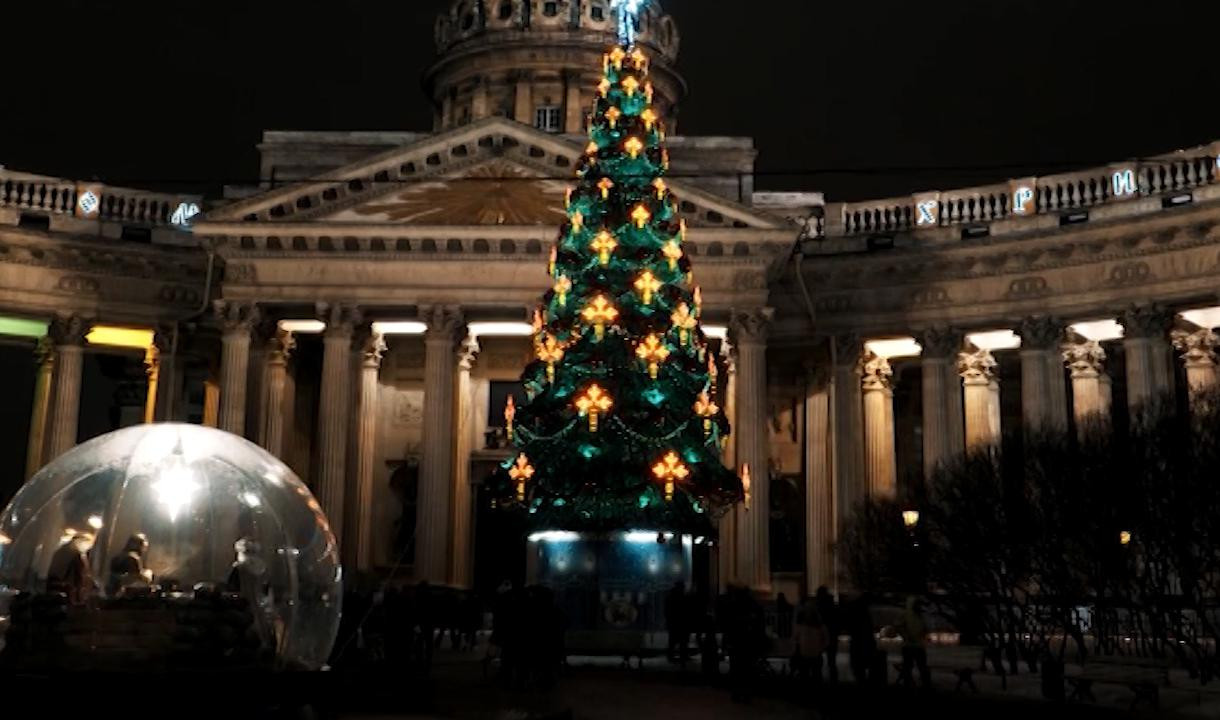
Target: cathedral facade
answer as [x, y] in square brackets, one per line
[363, 313]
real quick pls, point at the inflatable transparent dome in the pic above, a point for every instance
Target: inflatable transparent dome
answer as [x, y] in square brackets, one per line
[171, 546]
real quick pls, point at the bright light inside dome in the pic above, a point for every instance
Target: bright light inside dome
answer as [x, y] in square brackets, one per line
[95, 522]
[175, 486]
[640, 536]
[251, 500]
[5, 539]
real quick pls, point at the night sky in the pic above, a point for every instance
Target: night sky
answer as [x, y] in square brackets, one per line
[859, 98]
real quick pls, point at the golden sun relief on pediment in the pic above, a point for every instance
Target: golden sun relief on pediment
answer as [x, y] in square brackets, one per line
[498, 193]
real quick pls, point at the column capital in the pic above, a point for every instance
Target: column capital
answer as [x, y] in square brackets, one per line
[977, 367]
[941, 342]
[444, 322]
[44, 350]
[1146, 321]
[341, 319]
[1086, 359]
[751, 327]
[279, 347]
[1198, 347]
[876, 373]
[1040, 332]
[236, 317]
[372, 347]
[69, 330]
[468, 350]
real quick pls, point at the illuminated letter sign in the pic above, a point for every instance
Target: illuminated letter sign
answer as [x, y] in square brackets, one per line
[183, 214]
[928, 211]
[1124, 183]
[1022, 198]
[88, 201]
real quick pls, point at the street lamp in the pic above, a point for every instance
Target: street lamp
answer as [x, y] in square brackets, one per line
[1124, 538]
[910, 518]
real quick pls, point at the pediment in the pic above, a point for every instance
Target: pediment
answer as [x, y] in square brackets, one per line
[497, 192]
[493, 172]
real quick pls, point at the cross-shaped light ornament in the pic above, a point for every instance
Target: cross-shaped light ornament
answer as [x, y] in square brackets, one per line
[510, 413]
[631, 86]
[599, 311]
[604, 185]
[670, 471]
[562, 287]
[521, 472]
[647, 284]
[661, 187]
[550, 263]
[673, 253]
[706, 408]
[649, 116]
[634, 147]
[616, 58]
[683, 321]
[603, 245]
[641, 216]
[578, 221]
[613, 115]
[594, 402]
[653, 351]
[537, 324]
[603, 87]
[639, 58]
[550, 352]
[592, 148]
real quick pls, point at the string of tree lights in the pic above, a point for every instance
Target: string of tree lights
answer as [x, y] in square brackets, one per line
[619, 427]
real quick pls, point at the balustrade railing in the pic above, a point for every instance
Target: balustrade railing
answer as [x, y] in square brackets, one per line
[1052, 194]
[57, 196]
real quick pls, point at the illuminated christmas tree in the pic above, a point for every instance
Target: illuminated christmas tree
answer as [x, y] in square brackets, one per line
[620, 427]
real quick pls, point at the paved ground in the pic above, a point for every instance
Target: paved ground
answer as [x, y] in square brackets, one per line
[599, 690]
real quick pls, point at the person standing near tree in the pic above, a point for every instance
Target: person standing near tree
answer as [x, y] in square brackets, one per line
[914, 632]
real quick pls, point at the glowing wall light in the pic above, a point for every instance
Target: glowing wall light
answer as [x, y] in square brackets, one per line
[554, 536]
[302, 327]
[22, 327]
[716, 332]
[894, 347]
[995, 340]
[400, 327]
[1203, 317]
[112, 336]
[501, 329]
[1099, 330]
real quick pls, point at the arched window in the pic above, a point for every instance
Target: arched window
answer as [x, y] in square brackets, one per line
[597, 11]
[550, 8]
[506, 10]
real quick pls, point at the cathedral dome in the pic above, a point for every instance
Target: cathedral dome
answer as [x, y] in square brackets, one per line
[538, 61]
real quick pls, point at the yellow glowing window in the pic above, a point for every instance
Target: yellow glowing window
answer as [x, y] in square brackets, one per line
[112, 336]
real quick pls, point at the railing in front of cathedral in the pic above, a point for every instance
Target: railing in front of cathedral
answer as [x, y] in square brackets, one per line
[1064, 198]
[45, 195]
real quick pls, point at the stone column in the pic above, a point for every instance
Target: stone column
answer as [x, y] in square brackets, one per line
[574, 109]
[1146, 349]
[1043, 390]
[981, 388]
[44, 376]
[727, 526]
[360, 543]
[152, 371]
[943, 424]
[479, 107]
[851, 483]
[1090, 384]
[750, 329]
[462, 570]
[236, 321]
[68, 334]
[880, 465]
[821, 530]
[1198, 350]
[169, 379]
[434, 509]
[275, 379]
[523, 97]
[331, 475]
